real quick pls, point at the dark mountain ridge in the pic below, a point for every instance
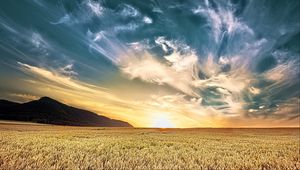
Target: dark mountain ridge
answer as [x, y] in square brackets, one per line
[50, 111]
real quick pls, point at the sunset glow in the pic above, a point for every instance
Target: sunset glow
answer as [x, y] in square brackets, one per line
[167, 64]
[162, 121]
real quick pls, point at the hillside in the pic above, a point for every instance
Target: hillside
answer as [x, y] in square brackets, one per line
[50, 111]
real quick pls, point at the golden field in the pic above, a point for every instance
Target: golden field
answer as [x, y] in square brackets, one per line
[34, 146]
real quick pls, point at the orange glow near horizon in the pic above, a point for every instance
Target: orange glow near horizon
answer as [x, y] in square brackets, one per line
[162, 109]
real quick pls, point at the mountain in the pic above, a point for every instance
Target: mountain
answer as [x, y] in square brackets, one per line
[6, 103]
[47, 110]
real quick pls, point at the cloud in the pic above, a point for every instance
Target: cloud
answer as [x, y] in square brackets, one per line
[25, 97]
[96, 7]
[106, 44]
[65, 19]
[40, 45]
[178, 72]
[220, 18]
[128, 11]
[7, 25]
[128, 27]
[182, 109]
[283, 110]
[86, 11]
[254, 90]
[59, 79]
[282, 72]
[180, 69]
[68, 70]
[147, 20]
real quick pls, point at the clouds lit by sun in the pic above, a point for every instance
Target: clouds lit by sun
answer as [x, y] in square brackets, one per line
[166, 64]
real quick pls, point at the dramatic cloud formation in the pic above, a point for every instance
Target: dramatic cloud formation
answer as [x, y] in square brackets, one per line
[172, 64]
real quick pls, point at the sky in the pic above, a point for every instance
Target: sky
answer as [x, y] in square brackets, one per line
[157, 63]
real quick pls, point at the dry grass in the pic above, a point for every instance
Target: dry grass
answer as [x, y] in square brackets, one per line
[54, 147]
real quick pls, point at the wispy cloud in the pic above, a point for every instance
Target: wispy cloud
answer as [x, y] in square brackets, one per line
[96, 7]
[178, 72]
[127, 10]
[68, 70]
[60, 79]
[222, 18]
[24, 97]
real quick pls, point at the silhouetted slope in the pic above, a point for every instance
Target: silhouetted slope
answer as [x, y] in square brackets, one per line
[47, 110]
[6, 103]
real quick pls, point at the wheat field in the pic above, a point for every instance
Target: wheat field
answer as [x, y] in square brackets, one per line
[33, 146]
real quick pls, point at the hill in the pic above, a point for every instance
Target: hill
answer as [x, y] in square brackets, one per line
[50, 111]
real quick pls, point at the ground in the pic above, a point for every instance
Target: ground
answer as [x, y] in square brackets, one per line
[35, 146]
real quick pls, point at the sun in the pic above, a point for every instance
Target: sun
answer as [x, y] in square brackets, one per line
[162, 121]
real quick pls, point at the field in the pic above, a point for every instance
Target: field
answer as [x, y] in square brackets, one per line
[34, 146]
